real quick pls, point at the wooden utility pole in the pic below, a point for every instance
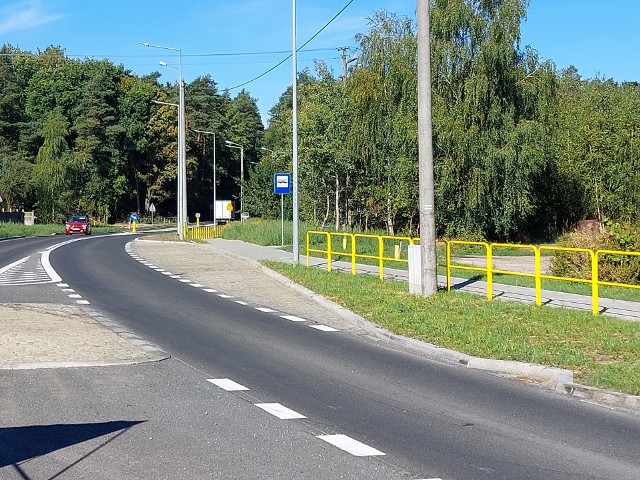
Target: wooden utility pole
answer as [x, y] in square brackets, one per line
[429, 273]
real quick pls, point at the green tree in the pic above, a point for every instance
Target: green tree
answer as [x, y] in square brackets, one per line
[52, 170]
[383, 131]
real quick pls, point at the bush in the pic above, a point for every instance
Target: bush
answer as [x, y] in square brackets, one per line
[616, 268]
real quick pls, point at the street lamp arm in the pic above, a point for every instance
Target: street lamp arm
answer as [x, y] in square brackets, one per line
[159, 46]
[165, 103]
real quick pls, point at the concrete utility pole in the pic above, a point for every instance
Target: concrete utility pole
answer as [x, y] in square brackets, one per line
[429, 274]
[345, 62]
[296, 208]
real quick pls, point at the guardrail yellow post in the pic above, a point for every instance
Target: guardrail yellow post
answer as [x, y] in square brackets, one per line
[328, 252]
[489, 272]
[536, 253]
[308, 249]
[594, 282]
[380, 256]
[448, 265]
[353, 253]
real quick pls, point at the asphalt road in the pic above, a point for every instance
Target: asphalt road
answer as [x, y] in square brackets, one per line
[429, 419]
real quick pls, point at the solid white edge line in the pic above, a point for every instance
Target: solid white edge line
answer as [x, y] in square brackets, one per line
[226, 384]
[350, 445]
[46, 264]
[280, 411]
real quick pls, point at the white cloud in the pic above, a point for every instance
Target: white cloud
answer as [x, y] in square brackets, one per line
[25, 15]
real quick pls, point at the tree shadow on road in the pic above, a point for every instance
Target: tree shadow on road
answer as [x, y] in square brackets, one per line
[18, 444]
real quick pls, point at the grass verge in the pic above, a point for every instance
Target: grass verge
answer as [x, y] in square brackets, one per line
[602, 351]
[18, 230]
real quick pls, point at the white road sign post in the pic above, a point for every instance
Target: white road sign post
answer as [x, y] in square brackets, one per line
[152, 210]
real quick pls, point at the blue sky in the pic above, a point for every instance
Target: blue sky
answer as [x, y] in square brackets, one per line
[599, 37]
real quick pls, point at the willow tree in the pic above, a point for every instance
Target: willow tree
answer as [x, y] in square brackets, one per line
[325, 165]
[597, 146]
[383, 133]
[491, 152]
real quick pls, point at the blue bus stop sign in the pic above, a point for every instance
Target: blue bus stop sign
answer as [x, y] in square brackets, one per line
[282, 183]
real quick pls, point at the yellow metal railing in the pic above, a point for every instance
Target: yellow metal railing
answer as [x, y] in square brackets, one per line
[376, 248]
[358, 246]
[203, 232]
[538, 276]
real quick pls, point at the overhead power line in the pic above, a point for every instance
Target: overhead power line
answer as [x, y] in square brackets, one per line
[298, 49]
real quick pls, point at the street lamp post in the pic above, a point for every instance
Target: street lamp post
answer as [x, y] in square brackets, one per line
[179, 196]
[241, 148]
[182, 146]
[294, 92]
[204, 132]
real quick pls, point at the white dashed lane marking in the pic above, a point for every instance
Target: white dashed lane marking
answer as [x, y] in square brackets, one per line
[279, 411]
[293, 318]
[324, 328]
[226, 384]
[350, 445]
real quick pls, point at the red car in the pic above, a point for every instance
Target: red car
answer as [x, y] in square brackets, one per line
[77, 224]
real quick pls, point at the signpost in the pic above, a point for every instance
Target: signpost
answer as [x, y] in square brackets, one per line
[152, 210]
[133, 218]
[282, 186]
